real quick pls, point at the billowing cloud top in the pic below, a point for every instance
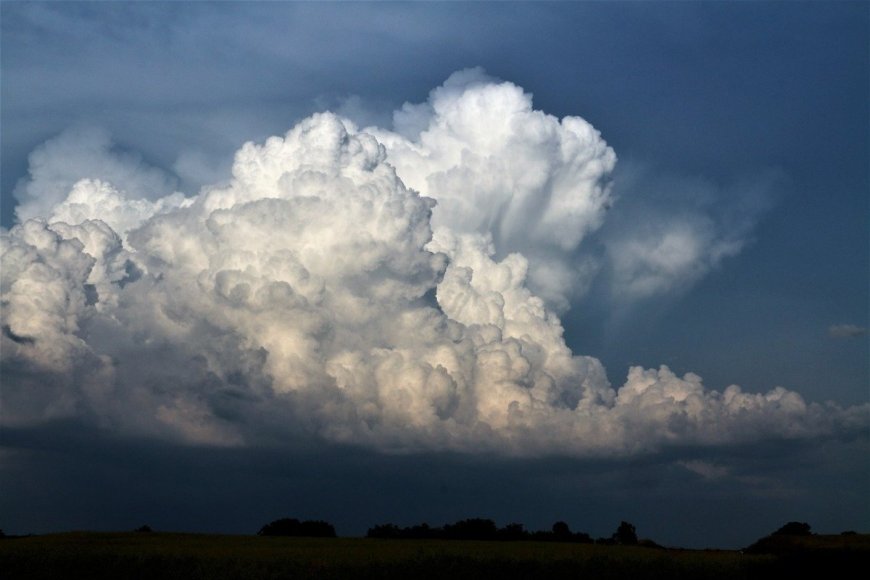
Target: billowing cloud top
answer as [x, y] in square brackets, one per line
[497, 167]
[375, 287]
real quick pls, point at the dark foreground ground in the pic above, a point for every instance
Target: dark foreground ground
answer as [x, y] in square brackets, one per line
[192, 556]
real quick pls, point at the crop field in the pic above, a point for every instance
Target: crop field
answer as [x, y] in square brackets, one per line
[191, 556]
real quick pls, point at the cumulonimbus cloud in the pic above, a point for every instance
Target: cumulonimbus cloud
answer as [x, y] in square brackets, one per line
[369, 286]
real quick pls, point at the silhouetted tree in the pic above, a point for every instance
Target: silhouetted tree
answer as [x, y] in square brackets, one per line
[422, 532]
[293, 527]
[478, 529]
[471, 529]
[625, 534]
[793, 529]
[143, 529]
[512, 532]
[317, 529]
[384, 531]
[561, 531]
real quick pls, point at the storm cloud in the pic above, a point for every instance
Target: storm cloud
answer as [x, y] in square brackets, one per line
[393, 288]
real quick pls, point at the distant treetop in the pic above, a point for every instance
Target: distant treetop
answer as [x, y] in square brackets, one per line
[625, 534]
[794, 529]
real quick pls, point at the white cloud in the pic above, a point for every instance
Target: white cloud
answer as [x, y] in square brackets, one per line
[537, 184]
[846, 331]
[78, 153]
[317, 293]
[44, 294]
[94, 199]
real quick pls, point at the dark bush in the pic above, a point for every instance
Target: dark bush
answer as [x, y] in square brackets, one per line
[143, 529]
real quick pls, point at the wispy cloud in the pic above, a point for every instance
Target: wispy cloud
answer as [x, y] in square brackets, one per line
[705, 469]
[846, 331]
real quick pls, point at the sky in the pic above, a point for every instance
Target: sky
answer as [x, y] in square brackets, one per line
[360, 262]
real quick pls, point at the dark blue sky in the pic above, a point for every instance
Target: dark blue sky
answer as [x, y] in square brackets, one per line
[725, 95]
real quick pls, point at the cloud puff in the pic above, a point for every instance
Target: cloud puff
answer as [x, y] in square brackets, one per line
[316, 293]
[537, 184]
[94, 199]
[846, 331]
[84, 152]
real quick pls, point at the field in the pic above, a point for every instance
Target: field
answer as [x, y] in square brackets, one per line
[191, 556]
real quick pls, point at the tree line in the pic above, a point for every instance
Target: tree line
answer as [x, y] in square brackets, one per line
[485, 529]
[467, 529]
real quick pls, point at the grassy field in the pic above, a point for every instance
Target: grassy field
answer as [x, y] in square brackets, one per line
[192, 556]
